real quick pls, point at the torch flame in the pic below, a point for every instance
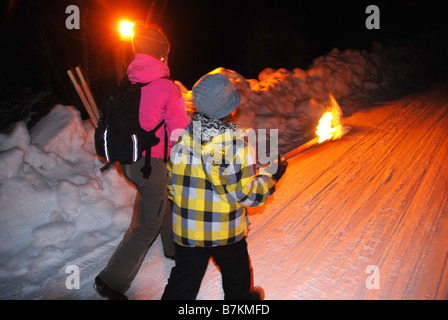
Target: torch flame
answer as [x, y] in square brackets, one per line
[330, 126]
[324, 129]
[126, 31]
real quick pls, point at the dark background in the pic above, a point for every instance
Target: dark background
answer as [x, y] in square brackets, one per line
[245, 36]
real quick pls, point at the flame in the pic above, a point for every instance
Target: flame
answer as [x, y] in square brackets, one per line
[330, 126]
[325, 130]
[126, 31]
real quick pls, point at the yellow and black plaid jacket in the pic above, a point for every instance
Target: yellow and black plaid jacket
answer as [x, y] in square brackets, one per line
[210, 184]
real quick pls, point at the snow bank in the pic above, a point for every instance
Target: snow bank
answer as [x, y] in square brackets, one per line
[55, 204]
[293, 101]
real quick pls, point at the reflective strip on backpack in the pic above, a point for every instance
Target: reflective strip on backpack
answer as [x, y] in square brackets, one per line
[135, 142]
[106, 152]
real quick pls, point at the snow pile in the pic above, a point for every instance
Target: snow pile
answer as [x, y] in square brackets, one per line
[55, 204]
[293, 101]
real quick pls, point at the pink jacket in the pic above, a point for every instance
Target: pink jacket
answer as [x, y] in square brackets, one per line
[161, 99]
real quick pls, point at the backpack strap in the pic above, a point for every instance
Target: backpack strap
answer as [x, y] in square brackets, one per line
[165, 151]
[147, 167]
[105, 167]
[165, 147]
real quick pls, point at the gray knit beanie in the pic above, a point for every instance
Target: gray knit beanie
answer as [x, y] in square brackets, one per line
[215, 96]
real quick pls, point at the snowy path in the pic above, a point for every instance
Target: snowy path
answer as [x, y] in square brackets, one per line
[378, 197]
[350, 215]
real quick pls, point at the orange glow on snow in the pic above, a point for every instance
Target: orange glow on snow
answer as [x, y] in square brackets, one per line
[126, 31]
[330, 126]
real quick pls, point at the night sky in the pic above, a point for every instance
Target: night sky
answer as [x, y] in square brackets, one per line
[244, 36]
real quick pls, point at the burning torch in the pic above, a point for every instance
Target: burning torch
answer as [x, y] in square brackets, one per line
[329, 128]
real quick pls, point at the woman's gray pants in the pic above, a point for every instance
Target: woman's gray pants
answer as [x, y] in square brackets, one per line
[152, 214]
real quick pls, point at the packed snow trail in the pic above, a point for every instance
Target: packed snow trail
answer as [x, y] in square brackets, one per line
[363, 217]
[377, 197]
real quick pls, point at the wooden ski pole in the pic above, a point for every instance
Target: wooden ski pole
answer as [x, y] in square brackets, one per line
[88, 93]
[82, 96]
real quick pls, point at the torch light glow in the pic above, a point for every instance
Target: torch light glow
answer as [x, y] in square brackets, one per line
[330, 126]
[126, 31]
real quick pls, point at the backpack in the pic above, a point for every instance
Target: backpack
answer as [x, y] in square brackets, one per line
[119, 136]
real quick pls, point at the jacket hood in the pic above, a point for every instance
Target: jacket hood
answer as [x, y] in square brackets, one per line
[145, 68]
[222, 148]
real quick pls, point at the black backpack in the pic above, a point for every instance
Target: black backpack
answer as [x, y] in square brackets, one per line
[119, 136]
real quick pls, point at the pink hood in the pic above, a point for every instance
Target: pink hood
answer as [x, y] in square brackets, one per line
[161, 99]
[145, 68]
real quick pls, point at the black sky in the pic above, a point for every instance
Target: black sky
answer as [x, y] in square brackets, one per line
[245, 36]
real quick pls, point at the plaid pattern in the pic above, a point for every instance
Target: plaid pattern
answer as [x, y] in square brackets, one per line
[210, 185]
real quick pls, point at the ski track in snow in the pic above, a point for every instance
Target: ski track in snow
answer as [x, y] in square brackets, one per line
[376, 197]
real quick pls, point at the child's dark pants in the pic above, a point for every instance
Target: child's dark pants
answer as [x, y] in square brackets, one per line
[191, 264]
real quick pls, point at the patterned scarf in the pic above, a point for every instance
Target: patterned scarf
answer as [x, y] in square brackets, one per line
[206, 128]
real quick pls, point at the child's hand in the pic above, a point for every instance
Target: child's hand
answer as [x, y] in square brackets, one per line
[281, 168]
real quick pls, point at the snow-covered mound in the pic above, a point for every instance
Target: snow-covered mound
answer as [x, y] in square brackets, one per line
[293, 101]
[55, 205]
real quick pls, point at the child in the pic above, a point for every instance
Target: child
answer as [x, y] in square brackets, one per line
[211, 179]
